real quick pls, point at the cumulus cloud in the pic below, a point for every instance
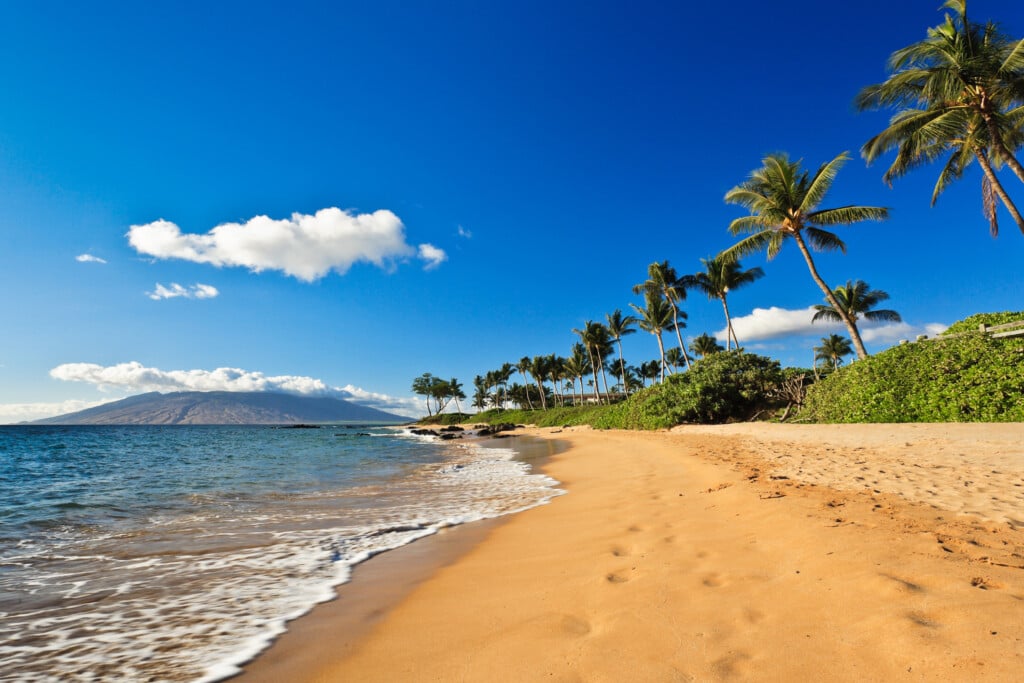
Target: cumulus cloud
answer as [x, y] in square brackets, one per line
[303, 246]
[432, 255]
[774, 323]
[196, 291]
[89, 258]
[133, 377]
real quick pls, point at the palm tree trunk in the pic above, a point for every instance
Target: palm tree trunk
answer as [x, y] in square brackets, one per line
[679, 336]
[593, 366]
[622, 368]
[661, 348]
[997, 141]
[728, 327]
[540, 388]
[851, 327]
[604, 378]
[997, 187]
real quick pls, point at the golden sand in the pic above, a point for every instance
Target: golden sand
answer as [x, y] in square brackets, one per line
[742, 552]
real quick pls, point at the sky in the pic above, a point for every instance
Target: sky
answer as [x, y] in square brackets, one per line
[334, 198]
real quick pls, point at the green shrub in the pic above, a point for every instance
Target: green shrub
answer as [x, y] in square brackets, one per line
[971, 324]
[970, 378]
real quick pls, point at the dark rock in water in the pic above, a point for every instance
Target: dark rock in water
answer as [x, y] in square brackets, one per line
[453, 428]
[448, 436]
[363, 434]
[300, 426]
[484, 431]
[424, 432]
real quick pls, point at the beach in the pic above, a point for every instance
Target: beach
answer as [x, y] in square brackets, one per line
[738, 552]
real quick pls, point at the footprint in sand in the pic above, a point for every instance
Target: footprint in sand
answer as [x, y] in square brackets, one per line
[616, 578]
[713, 581]
[574, 625]
[618, 551]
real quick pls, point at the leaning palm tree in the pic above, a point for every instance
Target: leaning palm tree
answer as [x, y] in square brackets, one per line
[857, 300]
[618, 327]
[783, 201]
[832, 350]
[722, 275]
[956, 91]
[663, 281]
[655, 317]
[705, 345]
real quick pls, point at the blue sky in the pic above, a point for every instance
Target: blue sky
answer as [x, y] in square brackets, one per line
[512, 168]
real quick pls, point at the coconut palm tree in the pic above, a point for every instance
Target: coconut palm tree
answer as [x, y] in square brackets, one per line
[674, 359]
[576, 367]
[857, 300]
[663, 281]
[539, 370]
[783, 201]
[594, 336]
[455, 389]
[722, 275]
[618, 327]
[957, 91]
[650, 371]
[655, 317]
[832, 350]
[523, 366]
[705, 345]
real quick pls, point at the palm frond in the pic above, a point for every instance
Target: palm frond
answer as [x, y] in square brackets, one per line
[821, 182]
[823, 240]
[846, 215]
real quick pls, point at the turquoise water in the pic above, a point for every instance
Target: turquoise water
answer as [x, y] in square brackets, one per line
[177, 553]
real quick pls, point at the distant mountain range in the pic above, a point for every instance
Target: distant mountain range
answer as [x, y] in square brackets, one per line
[223, 407]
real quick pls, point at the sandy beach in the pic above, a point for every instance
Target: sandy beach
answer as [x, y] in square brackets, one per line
[740, 552]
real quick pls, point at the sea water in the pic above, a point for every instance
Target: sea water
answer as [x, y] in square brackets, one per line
[145, 553]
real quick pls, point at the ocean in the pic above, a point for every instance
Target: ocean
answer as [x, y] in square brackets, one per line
[146, 553]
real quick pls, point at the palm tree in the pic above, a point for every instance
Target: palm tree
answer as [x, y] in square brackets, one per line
[663, 281]
[783, 202]
[618, 327]
[523, 366]
[480, 392]
[595, 338]
[832, 350]
[576, 367]
[674, 359]
[958, 90]
[720, 276]
[455, 389]
[705, 345]
[539, 370]
[655, 317]
[650, 371]
[857, 300]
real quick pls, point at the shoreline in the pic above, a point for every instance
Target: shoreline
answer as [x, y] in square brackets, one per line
[716, 553]
[377, 585]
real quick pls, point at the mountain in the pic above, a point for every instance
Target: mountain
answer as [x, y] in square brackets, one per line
[223, 407]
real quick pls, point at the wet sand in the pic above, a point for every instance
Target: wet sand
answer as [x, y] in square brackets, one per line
[742, 552]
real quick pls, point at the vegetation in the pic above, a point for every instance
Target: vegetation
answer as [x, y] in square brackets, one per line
[856, 300]
[961, 92]
[971, 377]
[957, 92]
[972, 323]
[783, 201]
[720, 276]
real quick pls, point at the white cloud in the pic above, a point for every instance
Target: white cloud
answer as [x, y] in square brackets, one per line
[432, 255]
[13, 413]
[306, 247]
[196, 291]
[465, 233]
[775, 322]
[89, 258]
[893, 332]
[133, 377]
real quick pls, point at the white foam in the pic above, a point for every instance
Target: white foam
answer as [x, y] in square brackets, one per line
[197, 615]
